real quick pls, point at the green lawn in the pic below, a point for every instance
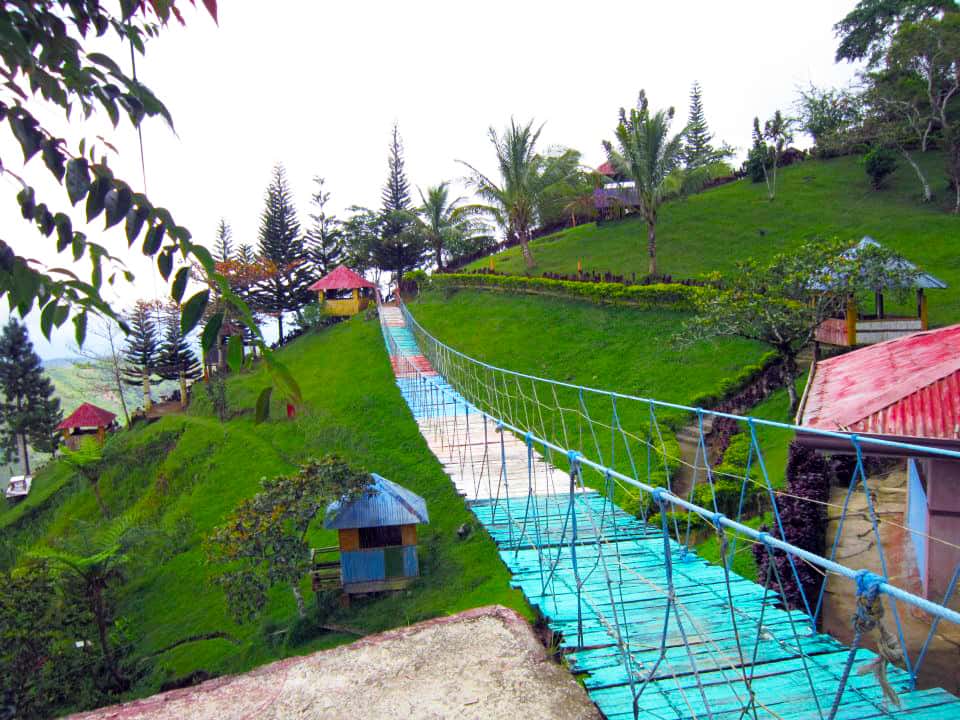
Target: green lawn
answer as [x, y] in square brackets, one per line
[183, 474]
[712, 230]
[622, 349]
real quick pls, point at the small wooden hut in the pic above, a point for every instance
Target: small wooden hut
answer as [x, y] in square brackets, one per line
[87, 419]
[856, 326]
[378, 536]
[343, 292]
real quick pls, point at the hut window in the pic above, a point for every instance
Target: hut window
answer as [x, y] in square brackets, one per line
[377, 537]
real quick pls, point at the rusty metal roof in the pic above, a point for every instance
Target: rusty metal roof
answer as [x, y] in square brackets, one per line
[382, 503]
[905, 387]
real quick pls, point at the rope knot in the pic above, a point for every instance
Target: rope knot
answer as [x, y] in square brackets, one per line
[868, 583]
[764, 537]
[529, 438]
[657, 496]
[718, 518]
[573, 456]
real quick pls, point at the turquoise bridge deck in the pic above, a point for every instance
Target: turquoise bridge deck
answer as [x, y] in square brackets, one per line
[599, 577]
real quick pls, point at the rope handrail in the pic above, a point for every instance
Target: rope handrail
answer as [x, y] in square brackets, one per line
[913, 448]
[884, 587]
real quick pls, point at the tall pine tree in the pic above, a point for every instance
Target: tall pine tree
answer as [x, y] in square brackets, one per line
[141, 353]
[223, 245]
[281, 244]
[325, 244]
[401, 247]
[697, 150]
[29, 413]
[246, 254]
[176, 360]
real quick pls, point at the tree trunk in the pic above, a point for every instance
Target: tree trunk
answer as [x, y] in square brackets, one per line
[439, 250]
[772, 188]
[99, 614]
[147, 400]
[790, 370]
[183, 390]
[652, 247]
[525, 249]
[26, 454]
[96, 492]
[301, 608]
[927, 192]
[279, 328]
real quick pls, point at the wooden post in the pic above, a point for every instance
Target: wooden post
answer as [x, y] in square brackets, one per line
[922, 308]
[491, 263]
[878, 297]
[580, 268]
[356, 300]
[101, 435]
[851, 317]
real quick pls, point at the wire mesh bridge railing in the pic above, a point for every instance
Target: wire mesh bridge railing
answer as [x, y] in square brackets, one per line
[595, 511]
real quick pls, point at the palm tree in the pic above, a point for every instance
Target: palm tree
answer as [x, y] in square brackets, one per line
[653, 159]
[443, 221]
[525, 175]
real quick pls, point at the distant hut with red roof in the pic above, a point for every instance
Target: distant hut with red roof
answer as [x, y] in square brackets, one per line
[88, 419]
[343, 292]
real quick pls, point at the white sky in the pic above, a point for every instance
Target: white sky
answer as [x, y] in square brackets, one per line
[317, 85]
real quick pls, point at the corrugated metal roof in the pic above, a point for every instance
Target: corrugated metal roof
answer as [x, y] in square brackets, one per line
[341, 278]
[907, 387]
[921, 280]
[382, 503]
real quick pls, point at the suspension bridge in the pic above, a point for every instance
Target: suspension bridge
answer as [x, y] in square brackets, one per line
[654, 630]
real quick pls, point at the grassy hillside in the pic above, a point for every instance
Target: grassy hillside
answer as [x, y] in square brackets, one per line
[714, 229]
[183, 474]
[612, 348]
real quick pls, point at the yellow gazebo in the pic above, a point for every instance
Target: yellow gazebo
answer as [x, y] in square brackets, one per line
[343, 292]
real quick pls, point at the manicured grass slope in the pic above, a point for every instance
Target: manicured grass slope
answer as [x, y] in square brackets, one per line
[184, 474]
[714, 229]
[611, 348]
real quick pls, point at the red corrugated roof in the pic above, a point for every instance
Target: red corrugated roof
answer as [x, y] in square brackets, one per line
[908, 387]
[342, 278]
[87, 415]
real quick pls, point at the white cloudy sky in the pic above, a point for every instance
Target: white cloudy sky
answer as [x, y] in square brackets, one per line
[317, 85]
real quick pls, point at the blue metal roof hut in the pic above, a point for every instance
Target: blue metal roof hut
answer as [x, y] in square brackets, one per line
[378, 536]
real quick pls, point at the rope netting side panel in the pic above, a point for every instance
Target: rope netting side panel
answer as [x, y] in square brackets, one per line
[593, 508]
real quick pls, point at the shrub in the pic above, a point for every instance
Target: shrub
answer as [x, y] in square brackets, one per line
[879, 163]
[647, 297]
[804, 524]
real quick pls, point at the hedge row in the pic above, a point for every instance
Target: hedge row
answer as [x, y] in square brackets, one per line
[730, 386]
[646, 297]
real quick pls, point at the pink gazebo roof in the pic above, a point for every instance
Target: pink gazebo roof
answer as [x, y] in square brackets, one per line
[909, 387]
[341, 278]
[87, 415]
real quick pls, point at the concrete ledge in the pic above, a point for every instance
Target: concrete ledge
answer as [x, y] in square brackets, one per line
[482, 663]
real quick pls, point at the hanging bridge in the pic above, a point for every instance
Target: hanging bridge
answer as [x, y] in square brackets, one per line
[654, 630]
